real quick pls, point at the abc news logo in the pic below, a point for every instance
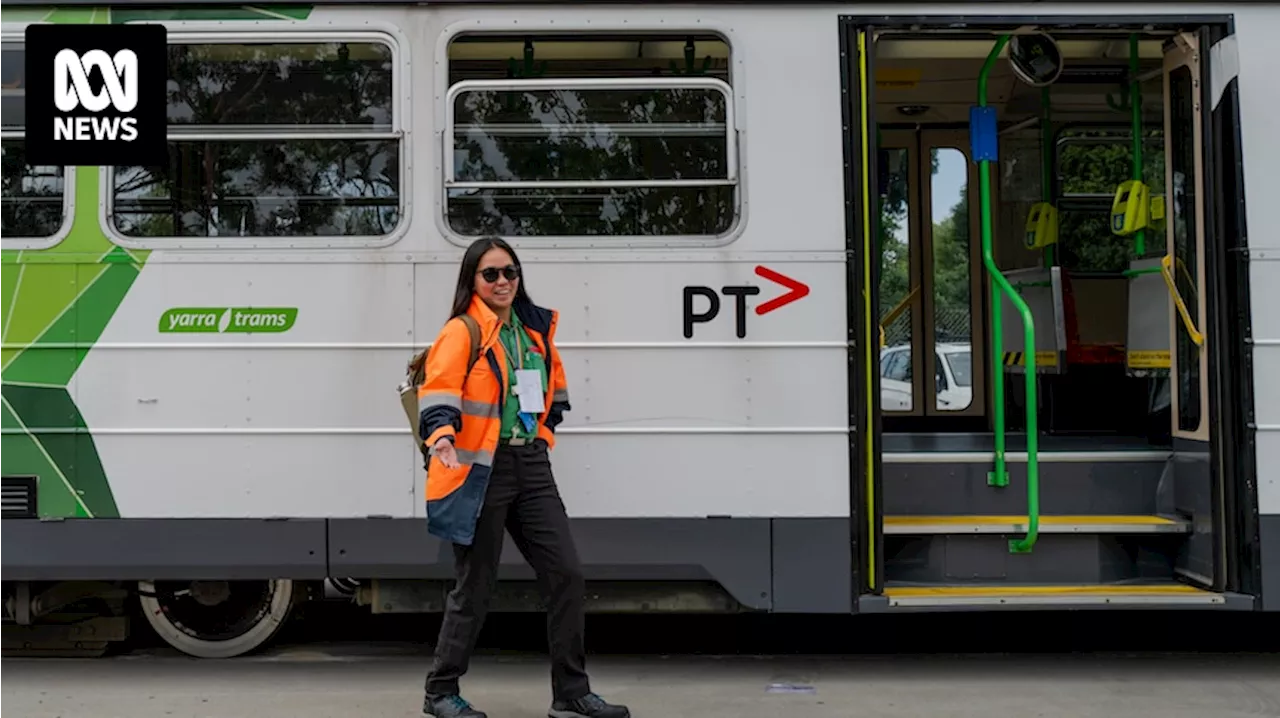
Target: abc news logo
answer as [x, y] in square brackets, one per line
[96, 94]
[72, 91]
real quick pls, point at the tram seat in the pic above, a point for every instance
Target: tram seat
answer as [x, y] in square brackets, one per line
[1095, 327]
[1041, 289]
[1147, 341]
[1077, 316]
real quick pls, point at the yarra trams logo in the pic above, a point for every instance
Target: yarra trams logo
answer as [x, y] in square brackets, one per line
[228, 320]
[96, 94]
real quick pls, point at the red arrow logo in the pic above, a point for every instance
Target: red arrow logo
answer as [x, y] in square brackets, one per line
[795, 290]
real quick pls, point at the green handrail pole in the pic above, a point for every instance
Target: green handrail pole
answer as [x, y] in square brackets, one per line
[1000, 477]
[998, 280]
[1135, 102]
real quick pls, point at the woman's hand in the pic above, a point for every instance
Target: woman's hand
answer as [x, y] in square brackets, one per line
[448, 456]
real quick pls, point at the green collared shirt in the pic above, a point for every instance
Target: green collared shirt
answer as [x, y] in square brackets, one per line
[517, 342]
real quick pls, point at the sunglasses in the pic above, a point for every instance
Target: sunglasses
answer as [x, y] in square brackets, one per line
[490, 274]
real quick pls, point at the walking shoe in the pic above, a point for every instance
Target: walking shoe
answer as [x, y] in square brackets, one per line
[449, 706]
[588, 706]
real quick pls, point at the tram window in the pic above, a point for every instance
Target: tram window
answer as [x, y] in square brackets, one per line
[13, 78]
[952, 313]
[1091, 163]
[1086, 243]
[896, 299]
[895, 248]
[644, 146]
[1182, 104]
[34, 196]
[271, 139]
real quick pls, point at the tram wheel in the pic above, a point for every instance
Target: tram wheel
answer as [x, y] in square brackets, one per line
[217, 619]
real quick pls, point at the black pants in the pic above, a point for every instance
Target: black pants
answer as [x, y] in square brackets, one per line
[523, 498]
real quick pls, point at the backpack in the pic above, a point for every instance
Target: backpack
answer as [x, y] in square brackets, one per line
[416, 373]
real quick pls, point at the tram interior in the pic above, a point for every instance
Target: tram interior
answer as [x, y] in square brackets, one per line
[1123, 482]
[1066, 146]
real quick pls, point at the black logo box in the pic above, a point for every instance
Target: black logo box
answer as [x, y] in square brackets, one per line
[91, 144]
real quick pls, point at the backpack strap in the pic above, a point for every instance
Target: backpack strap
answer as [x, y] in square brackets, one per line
[417, 365]
[473, 328]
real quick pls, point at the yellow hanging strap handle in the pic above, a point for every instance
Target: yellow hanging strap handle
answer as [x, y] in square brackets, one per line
[1166, 265]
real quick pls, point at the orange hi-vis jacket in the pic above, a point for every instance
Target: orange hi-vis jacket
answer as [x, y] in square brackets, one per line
[468, 408]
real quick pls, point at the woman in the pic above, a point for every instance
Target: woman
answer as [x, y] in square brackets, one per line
[490, 428]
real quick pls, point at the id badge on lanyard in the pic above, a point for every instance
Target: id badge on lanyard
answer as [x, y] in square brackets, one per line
[528, 387]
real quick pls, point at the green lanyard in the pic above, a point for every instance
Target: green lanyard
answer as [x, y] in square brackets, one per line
[518, 363]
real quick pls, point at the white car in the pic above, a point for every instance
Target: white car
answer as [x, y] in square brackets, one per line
[953, 377]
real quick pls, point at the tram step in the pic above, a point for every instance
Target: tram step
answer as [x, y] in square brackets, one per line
[948, 550]
[1076, 524]
[1042, 596]
[1122, 482]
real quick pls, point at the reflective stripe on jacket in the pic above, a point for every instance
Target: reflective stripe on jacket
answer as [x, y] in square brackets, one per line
[469, 409]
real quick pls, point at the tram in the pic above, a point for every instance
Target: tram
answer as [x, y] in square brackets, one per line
[865, 307]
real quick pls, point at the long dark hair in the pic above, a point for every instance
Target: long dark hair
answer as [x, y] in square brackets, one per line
[467, 273]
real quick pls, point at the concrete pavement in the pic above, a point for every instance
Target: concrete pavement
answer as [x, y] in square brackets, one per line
[355, 682]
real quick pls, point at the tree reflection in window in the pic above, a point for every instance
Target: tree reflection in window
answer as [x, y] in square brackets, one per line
[573, 156]
[271, 140]
[34, 201]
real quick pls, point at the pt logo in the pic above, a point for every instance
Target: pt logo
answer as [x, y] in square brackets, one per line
[96, 94]
[795, 291]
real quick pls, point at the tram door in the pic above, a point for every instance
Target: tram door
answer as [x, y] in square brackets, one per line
[931, 360]
[1197, 488]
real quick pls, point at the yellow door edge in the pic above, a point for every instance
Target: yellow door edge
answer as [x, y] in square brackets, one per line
[863, 115]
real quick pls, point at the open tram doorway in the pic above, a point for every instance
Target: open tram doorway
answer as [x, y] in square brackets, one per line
[1082, 175]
